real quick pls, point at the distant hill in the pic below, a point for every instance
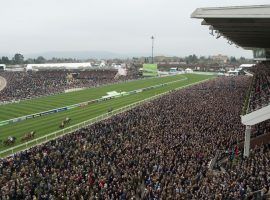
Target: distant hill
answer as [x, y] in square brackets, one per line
[77, 55]
[80, 55]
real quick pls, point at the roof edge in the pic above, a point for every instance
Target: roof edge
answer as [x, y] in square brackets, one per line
[250, 11]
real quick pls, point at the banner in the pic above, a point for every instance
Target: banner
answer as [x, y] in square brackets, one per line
[3, 123]
[150, 70]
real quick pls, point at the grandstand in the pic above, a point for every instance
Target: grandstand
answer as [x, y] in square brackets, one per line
[183, 137]
[248, 27]
[59, 66]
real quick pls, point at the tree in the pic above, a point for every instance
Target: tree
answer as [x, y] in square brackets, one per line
[191, 58]
[242, 59]
[5, 60]
[202, 58]
[40, 59]
[233, 60]
[18, 59]
[29, 61]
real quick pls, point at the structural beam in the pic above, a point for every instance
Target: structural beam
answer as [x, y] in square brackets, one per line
[247, 141]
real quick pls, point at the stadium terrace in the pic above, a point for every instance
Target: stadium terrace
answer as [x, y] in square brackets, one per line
[143, 134]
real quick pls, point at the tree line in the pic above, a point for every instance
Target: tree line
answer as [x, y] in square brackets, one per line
[18, 59]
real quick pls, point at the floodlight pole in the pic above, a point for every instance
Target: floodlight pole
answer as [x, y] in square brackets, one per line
[152, 38]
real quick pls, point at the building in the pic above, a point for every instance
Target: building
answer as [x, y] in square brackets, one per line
[246, 27]
[2, 67]
[188, 71]
[59, 66]
[15, 68]
[220, 58]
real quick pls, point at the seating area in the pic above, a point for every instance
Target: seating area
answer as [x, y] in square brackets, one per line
[159, 150]
[22, 85]
[260, 88]
[249, 177]
[261, 128]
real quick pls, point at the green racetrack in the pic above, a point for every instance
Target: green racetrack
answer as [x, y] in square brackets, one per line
[50, 123]
[65, 99]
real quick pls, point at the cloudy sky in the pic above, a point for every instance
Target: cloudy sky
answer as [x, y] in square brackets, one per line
[119, 26]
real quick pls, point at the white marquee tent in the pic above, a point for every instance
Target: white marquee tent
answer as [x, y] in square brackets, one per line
[67, 66]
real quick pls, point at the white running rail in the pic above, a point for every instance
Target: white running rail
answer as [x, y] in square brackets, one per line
[73, 128]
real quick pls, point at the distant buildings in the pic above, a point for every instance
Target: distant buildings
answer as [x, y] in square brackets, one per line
[220, 58]
[2, 67]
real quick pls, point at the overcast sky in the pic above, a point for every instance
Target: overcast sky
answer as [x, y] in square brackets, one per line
[119, 26]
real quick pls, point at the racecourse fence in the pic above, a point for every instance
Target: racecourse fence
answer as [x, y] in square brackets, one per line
[84, 88]
[65, 108]
[73, 128]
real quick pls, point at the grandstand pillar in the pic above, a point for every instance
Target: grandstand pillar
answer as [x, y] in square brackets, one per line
[247, 141]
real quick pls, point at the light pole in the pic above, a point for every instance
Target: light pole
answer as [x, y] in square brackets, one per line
[152, 38]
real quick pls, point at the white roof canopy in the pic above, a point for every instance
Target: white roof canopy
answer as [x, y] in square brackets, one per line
[246, 26]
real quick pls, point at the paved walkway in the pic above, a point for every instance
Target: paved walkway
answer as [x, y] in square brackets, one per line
[3, 83]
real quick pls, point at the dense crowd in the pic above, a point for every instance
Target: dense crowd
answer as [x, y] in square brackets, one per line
[261, 128]
[260, 88]
[249, 177]
[160, 150]
[21, 85]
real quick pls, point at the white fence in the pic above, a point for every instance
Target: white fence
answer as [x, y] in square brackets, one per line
[56, 134]
[65, 108]
[62, 92]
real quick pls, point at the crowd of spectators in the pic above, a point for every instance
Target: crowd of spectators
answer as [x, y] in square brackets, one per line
[21, 85]
[159, 150]
[249, 177]
[260, 88]
[261, 128]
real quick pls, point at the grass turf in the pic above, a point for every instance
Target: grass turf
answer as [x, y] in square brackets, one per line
[26, 107]
[50, 123]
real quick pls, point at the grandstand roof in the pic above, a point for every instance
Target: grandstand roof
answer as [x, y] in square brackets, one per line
[246, 26]
[59, 66]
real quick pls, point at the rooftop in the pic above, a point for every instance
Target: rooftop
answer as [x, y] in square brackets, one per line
[245, 26]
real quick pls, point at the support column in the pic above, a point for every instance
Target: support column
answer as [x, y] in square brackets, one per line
[247, 141]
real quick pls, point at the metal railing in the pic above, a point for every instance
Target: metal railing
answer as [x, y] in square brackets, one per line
[73, 128]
